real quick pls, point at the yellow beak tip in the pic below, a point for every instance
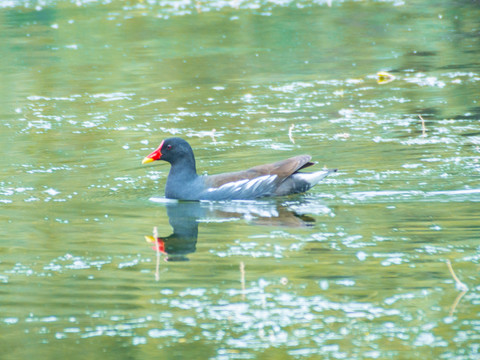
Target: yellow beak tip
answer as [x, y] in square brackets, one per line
[150, 239]
[147, 160]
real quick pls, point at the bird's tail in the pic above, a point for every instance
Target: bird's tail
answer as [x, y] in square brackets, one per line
[314, 178]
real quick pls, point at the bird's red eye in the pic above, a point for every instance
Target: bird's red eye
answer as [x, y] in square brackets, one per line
[169, 147]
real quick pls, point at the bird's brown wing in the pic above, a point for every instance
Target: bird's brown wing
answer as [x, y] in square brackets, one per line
[282, 169]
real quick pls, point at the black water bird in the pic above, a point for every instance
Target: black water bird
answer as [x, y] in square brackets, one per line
[275, 179]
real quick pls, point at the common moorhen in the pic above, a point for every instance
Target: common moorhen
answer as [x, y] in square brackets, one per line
[276, 179]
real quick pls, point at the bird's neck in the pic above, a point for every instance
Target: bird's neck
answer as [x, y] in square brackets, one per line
[183, 169]
[181, 179]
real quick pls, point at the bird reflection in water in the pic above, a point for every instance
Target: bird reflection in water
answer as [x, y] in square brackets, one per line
[185, 216]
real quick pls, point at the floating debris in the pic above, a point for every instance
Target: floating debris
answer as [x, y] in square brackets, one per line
[384, 77]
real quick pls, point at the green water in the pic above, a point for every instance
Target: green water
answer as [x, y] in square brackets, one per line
[354, 269]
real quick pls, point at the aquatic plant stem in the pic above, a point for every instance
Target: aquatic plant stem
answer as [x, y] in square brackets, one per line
[157, 266]
[290, 136]
[459, 285]
[242, 278]
[424, 129]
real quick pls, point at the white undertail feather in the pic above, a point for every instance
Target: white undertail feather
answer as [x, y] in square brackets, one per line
[314, 177]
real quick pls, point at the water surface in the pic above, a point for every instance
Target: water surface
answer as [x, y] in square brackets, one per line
[354, 269]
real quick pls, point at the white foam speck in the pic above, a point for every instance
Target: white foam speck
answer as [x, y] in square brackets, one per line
[52, 192]
[361, 255]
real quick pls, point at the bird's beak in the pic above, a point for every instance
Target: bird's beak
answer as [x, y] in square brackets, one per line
[156, 155]
[147, 159]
